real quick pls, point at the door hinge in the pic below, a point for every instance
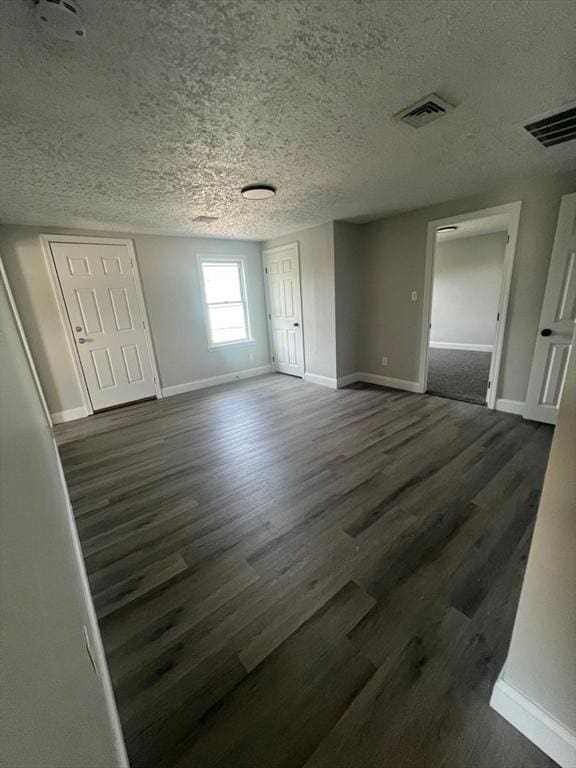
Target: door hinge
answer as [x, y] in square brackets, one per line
[143, 325]
[497, 316]
[273, 359]
[269, 316]
[266, 270]
[507, 238]
[132, 262]
[489, 384]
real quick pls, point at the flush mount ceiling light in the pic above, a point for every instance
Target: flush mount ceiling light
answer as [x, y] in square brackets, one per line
[258, 191]
[451, 228]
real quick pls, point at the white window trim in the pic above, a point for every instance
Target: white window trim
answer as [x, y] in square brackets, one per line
[202, 258]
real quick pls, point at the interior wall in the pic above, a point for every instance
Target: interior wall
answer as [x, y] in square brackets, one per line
[172, 290]
[541, 661]
[317, 278]
[466, 292]
[395, 262]
[56, 709]
[171, 286]
[348, 290]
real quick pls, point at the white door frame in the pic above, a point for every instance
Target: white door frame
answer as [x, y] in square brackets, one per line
[278, 249]
[512, 211]
[45, 241]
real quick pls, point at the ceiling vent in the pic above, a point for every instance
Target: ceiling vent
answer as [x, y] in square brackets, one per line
[555, 128]
[205, 219]
[424, 111]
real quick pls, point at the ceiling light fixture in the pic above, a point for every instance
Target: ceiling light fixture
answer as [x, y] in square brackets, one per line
[451, 228]
[258, 191]
[60, 19]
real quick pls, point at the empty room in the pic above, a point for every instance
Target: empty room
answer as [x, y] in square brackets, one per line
[288, 386]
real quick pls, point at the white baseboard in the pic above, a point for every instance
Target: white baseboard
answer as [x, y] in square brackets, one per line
[388, 381]
[72, 413]
[350, 378]
[190, 386]
[324, 381]
[510, 406]
[456, 345]
[369, 378]
[553, 738]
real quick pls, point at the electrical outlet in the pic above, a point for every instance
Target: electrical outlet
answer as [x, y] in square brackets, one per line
[414, 296]
[384, 361]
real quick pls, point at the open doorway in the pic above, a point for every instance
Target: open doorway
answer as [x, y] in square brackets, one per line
[468, 281]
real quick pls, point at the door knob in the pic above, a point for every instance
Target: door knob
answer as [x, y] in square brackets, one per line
[546, 332]
[296, 325]
[81, 341]
[78, 328]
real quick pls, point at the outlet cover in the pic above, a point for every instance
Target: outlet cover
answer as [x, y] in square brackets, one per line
[414, 296]
[384, 361]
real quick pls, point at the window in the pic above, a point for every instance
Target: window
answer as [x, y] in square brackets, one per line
[225, 298]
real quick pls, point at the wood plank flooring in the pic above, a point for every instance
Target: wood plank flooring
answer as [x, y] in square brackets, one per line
[287, 575]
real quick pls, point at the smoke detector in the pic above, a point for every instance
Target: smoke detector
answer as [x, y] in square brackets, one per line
[424, 111]
[60, 19]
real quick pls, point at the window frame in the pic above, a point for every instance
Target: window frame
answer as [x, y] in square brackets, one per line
[240, 262]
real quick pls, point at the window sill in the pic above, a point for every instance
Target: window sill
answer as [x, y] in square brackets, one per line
[224, 344]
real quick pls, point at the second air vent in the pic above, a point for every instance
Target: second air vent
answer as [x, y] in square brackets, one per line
[424, 111]
[205, 219]
[554, 129]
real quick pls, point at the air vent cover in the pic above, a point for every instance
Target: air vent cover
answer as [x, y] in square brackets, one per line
[205, 219]
[424, 111]
[554, 129]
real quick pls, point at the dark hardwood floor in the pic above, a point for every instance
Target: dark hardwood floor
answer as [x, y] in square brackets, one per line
[287, 575]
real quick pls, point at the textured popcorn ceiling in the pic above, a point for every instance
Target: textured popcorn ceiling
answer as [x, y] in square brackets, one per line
[168, 107]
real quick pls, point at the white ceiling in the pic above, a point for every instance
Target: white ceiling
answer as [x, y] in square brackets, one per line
[484, 226]
[168, 107]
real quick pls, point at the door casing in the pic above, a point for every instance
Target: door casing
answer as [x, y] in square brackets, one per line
[512, 210]
[278, 249]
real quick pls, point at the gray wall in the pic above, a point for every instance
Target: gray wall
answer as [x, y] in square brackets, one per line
[172, 291]
[395, 259]
[356, 285]
[348, 279]
[56, 711]
[541, 661]
[173, 296]
[467, 280]
[317, 279]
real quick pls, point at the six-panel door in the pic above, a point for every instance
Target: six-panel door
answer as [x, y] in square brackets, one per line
[556, 330]
[99, 291]
[285, 309]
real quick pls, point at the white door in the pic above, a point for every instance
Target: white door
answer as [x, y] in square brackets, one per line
[100, 294]
[556, 329]
[282, 268]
